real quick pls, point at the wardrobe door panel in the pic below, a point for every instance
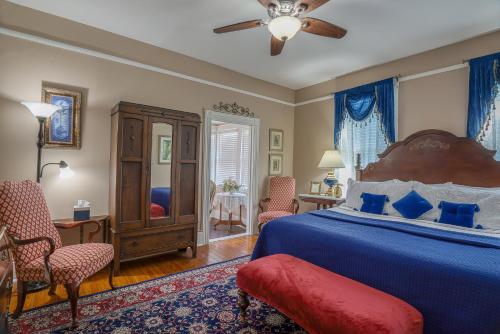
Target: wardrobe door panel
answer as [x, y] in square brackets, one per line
[130, 191]
[132, 138]
[188, 173]
[188, 189]
[133, 170]
[189, 142]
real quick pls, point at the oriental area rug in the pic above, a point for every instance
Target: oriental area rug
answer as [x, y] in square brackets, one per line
[202, 300]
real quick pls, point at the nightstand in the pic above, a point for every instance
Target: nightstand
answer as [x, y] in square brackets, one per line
[321, 200]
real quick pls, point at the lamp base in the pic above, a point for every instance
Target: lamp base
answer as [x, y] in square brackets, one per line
[337, 191]
[330, 181]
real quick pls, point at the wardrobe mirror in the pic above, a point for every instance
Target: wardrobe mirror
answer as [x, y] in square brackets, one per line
[161, 171]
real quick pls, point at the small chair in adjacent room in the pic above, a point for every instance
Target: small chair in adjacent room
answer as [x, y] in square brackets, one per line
[37, 249]
[281, 201]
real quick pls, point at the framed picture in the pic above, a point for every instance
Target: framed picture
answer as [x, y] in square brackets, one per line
[62, 129]
[164, 149]
[315, 188]
[275, 164]
[275, 140]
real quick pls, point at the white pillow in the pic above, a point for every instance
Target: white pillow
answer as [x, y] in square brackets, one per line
[487, 199]
[394, 189]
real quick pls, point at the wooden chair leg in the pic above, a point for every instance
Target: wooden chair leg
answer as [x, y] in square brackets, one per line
[21, 298]
[243, 303]
[52, 290]
[111, 274]
[73, 292]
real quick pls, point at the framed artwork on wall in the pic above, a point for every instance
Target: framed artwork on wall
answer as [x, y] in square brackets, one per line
[315, 188]
[275, 164]
[164, 149]
[275, 140]
[62, 129]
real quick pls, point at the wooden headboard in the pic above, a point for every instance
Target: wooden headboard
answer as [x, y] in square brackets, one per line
[435, 156]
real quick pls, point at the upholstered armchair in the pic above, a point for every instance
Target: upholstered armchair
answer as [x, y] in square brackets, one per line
[281, 201]
[37, 249]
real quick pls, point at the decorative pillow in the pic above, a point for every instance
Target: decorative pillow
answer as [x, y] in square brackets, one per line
[412, 205]
[460, 214]
[488, 199]
[394, 189]
[373, 203]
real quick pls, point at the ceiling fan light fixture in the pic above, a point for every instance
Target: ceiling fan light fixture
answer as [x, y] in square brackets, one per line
[284, 27]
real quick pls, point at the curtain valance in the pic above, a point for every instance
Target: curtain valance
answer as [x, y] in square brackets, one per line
[484, 78]
[360, 102]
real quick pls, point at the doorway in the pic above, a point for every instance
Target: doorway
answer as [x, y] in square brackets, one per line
[230, 178]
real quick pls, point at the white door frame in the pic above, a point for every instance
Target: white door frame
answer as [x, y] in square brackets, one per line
[253, 199]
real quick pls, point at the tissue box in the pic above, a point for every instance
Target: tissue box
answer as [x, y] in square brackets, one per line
[81, 213]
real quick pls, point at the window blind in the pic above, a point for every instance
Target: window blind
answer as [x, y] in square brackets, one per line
[231, 158]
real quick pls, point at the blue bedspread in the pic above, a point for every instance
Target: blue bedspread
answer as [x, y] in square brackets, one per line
[161, 196]
[452, 278]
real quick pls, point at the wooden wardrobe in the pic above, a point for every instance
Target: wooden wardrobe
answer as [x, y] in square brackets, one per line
[153, 181]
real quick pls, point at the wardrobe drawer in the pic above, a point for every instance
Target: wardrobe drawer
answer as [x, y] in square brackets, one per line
[158, 242]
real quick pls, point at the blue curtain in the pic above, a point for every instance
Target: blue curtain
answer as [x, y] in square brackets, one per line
[359, 103]
[484, 77]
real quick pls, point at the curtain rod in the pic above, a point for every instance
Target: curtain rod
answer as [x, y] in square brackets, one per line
[401, 78]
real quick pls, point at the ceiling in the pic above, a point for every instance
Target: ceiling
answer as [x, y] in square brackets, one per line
[378, 31]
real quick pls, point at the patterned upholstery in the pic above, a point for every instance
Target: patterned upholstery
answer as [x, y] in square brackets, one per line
[281, 199]
[70, 264]
[24, 210]
[281, 193]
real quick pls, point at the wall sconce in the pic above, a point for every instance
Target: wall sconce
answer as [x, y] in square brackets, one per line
[42, 111]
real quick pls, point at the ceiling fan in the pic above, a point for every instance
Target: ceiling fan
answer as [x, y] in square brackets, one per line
[285, 21]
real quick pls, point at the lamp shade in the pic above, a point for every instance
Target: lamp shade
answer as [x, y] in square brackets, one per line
[331, 159]
[284, 27]
[64, 170]
[40, 109]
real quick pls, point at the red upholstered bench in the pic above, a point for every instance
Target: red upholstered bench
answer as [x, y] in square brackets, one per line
[321, 301]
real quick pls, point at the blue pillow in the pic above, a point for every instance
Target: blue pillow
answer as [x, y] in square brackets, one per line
[412, 205]
[373, 203]
[460, 214]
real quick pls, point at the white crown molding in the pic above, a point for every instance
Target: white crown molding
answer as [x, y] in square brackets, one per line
[125, 61]
[121, 60]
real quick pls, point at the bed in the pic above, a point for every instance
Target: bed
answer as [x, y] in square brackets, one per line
[451, 274]
[160, 202]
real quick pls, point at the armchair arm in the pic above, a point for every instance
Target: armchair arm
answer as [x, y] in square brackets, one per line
[295, 206]
[74, 224]
[262, 202]
[46, 255]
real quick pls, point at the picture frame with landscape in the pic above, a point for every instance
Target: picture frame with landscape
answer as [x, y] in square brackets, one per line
[275, 140]
[275, 164]
[164, 149]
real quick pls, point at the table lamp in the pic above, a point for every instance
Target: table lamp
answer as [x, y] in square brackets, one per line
[331, 159]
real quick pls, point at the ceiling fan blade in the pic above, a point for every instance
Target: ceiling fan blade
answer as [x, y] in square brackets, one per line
[266, 3]
[312, 4]
[239, 26]
[276, 46]
[322, 28]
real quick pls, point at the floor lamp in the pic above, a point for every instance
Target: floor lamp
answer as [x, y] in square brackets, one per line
[42, 111]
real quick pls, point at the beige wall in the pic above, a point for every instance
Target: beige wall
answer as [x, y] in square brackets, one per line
[438, 101]
[25, 65]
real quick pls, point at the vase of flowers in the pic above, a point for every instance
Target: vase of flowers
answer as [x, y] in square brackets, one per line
[230, 186]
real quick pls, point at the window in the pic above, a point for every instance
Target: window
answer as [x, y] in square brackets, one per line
[491, 139]
[365, 137]
[230, 154]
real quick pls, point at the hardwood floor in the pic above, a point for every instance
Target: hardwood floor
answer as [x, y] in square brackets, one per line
[141, 270]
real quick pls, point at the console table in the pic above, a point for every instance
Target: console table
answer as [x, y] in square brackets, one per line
[321, 200]
[70, 222]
